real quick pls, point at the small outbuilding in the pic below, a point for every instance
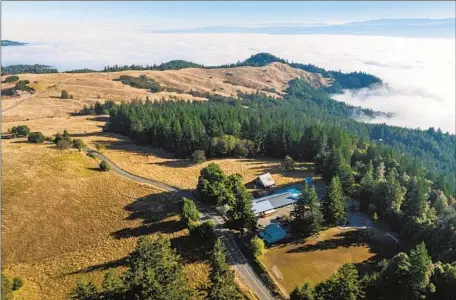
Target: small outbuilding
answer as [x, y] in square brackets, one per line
[265, 180]
[273, 233]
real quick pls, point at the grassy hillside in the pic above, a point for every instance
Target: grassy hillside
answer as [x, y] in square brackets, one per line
[63, 220]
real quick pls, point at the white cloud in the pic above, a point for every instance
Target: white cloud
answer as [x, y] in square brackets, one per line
[420, 73]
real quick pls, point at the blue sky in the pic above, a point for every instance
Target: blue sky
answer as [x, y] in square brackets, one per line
[196, 14]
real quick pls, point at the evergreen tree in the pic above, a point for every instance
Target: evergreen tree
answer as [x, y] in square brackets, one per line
[416, 197]
[302, 293]
[334, 204]
[420, 269]
[347, 179]
[307, 216]
[344, 285]
[155, 272]
[85, 291]
[222, 277]
[366, 190]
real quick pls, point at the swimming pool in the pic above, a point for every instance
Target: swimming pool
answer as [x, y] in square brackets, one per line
[293, 190]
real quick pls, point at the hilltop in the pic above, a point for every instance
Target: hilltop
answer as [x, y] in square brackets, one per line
[188, 84]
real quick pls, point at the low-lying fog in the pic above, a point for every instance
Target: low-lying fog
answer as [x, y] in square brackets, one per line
[419, 73]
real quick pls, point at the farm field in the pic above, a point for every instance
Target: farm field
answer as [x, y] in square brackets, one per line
[63, 220]
[316, 259]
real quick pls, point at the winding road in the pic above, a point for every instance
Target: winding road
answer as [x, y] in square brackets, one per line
[234, 254]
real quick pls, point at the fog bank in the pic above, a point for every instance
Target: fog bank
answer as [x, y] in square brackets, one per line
[419, 73]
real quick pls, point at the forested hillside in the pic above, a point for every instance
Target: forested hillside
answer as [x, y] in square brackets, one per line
[22, 69]
[279, 128]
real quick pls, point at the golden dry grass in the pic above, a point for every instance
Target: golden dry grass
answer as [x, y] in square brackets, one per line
[63, 220]
[316, 259]
[86, 87]
[155, 163]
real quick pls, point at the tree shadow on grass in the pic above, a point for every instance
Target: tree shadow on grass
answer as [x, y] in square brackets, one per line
[102, 267]
[178, 163]
[378, 244]
[159, 213]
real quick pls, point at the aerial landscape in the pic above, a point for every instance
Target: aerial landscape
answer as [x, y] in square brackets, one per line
[228, 150]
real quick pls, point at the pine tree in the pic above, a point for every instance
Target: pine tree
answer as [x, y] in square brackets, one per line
[307, 216]
[416, 198]
[222, 277]
[344, 285]
[334, 204]
[366, 191]
[303, 293]
[420, 269]
[155, 271]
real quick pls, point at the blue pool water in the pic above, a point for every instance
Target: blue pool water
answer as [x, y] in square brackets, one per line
[292, 190]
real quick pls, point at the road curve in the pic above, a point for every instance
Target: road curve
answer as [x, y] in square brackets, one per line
[234, 254]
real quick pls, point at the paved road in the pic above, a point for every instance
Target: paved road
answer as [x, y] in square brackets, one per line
[234, 254]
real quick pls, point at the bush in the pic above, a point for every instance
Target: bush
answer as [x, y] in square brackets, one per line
[190, 212]
[7, 289]
[288, 164]
[11, 78]
[17, 283]
[203, 230]
[257, 246]
[65, 136]
[21, 130]
[64, 95]
[104, 166]
[71, 96]
[78, 144]
[63, 144]
[35, 137]
[198, 156]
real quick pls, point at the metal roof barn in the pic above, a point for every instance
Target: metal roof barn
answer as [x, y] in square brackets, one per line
[266, 180]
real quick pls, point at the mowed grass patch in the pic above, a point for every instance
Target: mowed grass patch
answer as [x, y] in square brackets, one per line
[63, 220]
[317, 258]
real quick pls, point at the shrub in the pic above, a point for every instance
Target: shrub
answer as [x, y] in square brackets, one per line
[63, 144]
[35, 137]
[198, 156]
[257, 246]
[190, 212]
[11, 78]
[99, 147]
[17, 283]
[78, 144]
[104, 166]
[21, 130]
[71, 96]
[64, 95]
[7, 289]
[203, 230]
[288, 164]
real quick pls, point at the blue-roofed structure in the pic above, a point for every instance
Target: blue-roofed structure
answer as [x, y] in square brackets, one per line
[273, 233]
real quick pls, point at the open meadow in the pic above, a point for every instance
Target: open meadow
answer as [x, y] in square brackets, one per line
[291, 264]
[63, 220]
[87, 88]
[155, 163]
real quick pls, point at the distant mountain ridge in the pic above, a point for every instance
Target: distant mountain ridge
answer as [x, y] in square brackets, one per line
[442, 28]
[6, 43]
